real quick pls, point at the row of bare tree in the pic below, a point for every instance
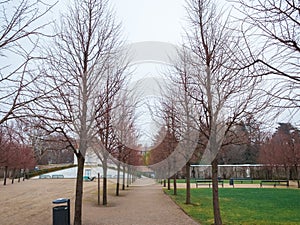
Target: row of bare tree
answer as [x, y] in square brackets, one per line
[16, 156]
[75, 81]
[71, 80]
[231, 71]
[282, 149]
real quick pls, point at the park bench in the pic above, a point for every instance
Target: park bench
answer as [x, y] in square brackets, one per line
[44, 176]
[57, 176]
[241, 180]
[207, 182]
[274, 182]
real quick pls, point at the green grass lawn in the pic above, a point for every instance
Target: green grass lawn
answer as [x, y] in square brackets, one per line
[225, 181]
[247, 206]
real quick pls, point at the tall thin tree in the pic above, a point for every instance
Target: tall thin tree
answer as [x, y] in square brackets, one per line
[225, 92]
[88, 37]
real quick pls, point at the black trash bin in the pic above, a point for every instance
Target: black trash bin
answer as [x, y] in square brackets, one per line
[61, 213]
[231, 182]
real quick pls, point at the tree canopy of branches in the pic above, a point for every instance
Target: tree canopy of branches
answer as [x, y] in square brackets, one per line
[276, 24]
[283, 149]
[243, 145]
[20, 32]
[165, 143]
[88, 39]
[15, 153]
[111, 108]
[51, 149]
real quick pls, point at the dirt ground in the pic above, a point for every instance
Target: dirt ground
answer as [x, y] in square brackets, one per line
[30, 203]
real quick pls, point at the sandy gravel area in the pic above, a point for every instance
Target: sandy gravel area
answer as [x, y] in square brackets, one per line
[30, 203]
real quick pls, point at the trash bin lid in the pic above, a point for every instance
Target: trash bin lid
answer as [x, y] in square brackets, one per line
[60, 200]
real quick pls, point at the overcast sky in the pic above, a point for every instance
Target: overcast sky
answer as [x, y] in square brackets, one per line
[151, 20]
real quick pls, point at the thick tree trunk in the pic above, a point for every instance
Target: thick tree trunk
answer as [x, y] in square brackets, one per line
[188, 183]
[175, 184]
[118, 181]
[169, 184]
[124, 176]
[99, 188]
[104, 197]
[216, 206]
[79, 190]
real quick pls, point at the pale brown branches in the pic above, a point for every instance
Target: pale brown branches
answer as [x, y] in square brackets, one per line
[20, 33]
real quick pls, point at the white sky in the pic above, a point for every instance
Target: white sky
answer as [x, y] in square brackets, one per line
[151, 20]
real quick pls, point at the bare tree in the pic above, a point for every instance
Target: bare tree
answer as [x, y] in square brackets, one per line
[164, 145]
[108, 106]
[15, 153]
[20, 32]
[124, 128]
[88, 38]
[276, 24]
[282, 150]
[185, 111]
[172, 137]
[225, 89]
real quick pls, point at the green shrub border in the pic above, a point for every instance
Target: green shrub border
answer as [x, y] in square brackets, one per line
[43, 171]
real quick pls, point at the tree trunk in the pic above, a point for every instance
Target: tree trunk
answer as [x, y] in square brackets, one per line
[13, 175]
[216, 205]
[79, 190]
[188, 183]
[132, 177]
[124, 173]
[118, 181]
[297, 175]
[175, 185]
[99, 188]
[24, 174]
[169, 184]
[128, 176]
[19, 175]
[5, 175]
[104, 197]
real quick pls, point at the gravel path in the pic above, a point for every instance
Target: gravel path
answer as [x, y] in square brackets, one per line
[144, 203]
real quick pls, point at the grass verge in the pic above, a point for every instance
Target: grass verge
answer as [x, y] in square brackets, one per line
[225, 181]
[245, 206]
